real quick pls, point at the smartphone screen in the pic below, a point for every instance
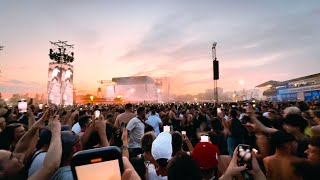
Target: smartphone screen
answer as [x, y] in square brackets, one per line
[96, 114]
[101, 163]
[166, 128]
[41, 106]
[22, 106]
[218, 110]
[204, 138]
[245, 156]
[102, 170]
[183, 132]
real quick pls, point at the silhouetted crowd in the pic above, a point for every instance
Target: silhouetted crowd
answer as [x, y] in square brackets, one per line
[165, 141]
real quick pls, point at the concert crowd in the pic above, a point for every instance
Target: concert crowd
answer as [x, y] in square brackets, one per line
[187, 141]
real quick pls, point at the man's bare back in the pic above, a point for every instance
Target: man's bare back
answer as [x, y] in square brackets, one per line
[123, 117]
[280, 167]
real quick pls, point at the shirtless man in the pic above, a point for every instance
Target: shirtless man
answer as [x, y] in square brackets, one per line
[173, 119]
[279, 166]
[124, 117]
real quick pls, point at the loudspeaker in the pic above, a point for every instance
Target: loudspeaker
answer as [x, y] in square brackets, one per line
[215, 70]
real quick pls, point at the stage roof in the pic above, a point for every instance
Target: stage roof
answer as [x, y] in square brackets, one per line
[278, 83]
[133, 80]
[271, 82]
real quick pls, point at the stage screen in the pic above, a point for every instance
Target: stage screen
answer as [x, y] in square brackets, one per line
[60, 84]
[133, 92]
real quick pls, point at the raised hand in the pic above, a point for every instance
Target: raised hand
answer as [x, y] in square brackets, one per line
[40, 123]
[29, 112]
[54, 124]
[100, 125]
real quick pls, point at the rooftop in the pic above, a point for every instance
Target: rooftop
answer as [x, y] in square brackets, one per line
[272, 82]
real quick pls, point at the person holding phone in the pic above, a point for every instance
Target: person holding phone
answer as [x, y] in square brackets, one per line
[234, 169]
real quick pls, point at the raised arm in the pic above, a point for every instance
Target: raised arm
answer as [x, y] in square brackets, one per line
[188, 142]
[31, 119]
[101, 129]
[53, 157]
[27, 143]
[125, 147]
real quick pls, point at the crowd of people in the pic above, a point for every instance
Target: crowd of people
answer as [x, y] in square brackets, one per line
[165, 141]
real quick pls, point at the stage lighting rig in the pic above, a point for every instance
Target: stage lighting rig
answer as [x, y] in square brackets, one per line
[61, 52]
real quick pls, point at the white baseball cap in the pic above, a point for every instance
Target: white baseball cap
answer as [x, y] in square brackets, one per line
[162, 147]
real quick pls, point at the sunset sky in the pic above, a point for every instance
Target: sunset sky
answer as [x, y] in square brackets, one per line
[257, 41]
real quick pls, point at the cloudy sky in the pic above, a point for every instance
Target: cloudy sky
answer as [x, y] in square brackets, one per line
[257, 41]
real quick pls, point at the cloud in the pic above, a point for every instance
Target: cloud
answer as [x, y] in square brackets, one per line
[13, 81]
[20, 89]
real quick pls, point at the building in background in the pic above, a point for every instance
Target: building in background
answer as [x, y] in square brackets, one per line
[305, 88]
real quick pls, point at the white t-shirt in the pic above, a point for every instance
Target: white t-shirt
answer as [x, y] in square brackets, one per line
[154, 121]
[136, 128]
[152, 173]
[76, 128]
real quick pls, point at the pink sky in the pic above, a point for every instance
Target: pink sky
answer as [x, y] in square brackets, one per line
[163, 39]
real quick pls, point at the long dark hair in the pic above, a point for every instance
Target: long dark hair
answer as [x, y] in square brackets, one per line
[7, 136]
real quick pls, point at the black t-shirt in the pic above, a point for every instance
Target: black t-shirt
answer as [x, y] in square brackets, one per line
[302, 147]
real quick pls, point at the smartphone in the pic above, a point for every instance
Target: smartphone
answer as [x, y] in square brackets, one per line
[218, 110]
[96, 114]
[40, 106]
[101, 163]
[204, 138]
[22, 106]
[244, 156]
[183, 132]
[31, 101]
[166, 129]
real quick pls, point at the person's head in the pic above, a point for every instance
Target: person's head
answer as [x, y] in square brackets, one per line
[147, 140]
[11, 164]
[3, 123]
[294, 123]
[177, 141]
[44, 139]
[153, 110]
[71, 143]
[284, 141]
[316, 116]
[313, 150]
[84, 122]
[11, 134]
[110, 118]
[173, 108]
[264, 108]
[206, 156]
[141, 112]
[161, 149]
[128, 107]
[233, 113]
[183, 166]
[216, 124]
[291, 110]
[204, 126]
